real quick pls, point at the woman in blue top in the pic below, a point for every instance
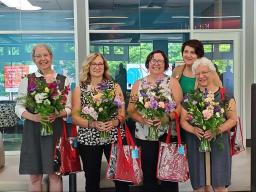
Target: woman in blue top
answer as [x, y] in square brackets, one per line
[220, 158]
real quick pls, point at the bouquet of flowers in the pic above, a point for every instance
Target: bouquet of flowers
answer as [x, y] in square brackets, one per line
[102, 105]
[205, 113]
[45, 99]
[154, 103]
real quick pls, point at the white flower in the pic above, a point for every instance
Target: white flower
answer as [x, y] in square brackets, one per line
[56, 97]
[39, 97]
[47, 102]
[100, 109]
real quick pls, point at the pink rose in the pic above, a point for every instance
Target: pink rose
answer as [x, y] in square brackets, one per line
[147, 104]
[207, 114]
[161, 104]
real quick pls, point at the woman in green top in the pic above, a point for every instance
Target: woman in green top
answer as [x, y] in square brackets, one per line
[191, 50]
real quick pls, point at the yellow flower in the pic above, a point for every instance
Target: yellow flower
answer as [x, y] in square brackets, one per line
[97, 98]
[46, 90]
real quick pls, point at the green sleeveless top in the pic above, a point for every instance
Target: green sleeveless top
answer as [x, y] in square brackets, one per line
[187, 84]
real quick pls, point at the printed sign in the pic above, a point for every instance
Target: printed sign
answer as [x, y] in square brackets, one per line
[13, 76]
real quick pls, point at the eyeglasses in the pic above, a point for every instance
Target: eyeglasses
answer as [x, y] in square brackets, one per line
[154, 61]
[202, 73]
[94, 65]
[41, 56]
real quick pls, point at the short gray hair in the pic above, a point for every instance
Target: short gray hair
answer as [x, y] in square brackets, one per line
[203, 61]
[47, 47]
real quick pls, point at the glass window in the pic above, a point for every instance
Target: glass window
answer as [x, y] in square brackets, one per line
[207, 48]
[53, 15]
[214, 14]
[106, 50]
[224, 47]
[118, 50]
[131, 52]
[138, 14]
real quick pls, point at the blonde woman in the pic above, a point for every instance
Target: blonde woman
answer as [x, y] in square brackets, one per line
[94, 72]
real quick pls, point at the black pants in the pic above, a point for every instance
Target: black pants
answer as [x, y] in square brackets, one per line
[149, 155]
[91, 158]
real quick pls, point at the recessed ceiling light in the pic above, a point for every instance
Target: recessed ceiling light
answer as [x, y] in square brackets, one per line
[20, 4]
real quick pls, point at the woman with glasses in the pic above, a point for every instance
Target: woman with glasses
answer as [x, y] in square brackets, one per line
[95, 135]
[37, 149]
[156, 83]
[223, 109]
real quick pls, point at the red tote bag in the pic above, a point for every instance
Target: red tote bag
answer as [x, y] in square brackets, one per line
[236, 139]
[172, 162]
[125, 160]
[67, 153]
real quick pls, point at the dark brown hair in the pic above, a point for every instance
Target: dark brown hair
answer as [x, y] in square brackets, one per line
[150, 56]
[196, 44]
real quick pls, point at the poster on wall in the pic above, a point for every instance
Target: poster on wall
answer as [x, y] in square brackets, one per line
[13, 76]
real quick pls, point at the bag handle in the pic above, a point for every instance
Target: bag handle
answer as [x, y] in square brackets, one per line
[119, 138]
[177, 129]
[73, 131]
[128, 137]
[64, 129]
[222, 93]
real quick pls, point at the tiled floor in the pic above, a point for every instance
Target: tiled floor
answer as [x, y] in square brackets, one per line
[10, 180]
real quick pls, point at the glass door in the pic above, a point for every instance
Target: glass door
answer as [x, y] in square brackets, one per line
[223, 48]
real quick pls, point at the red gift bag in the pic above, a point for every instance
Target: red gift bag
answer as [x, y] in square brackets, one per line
[172, 163]
[67, 158]
[236, 139]
[125, 160]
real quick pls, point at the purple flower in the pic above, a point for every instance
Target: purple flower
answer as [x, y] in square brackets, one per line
[205, 92]
[217, 109]
[143, 94]
[158, 81]
[207, 104]
[32, 86]
[185, 99]
[190, 118]
[153, 104]
[170, 106]
[118, 103]
[103, 86]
